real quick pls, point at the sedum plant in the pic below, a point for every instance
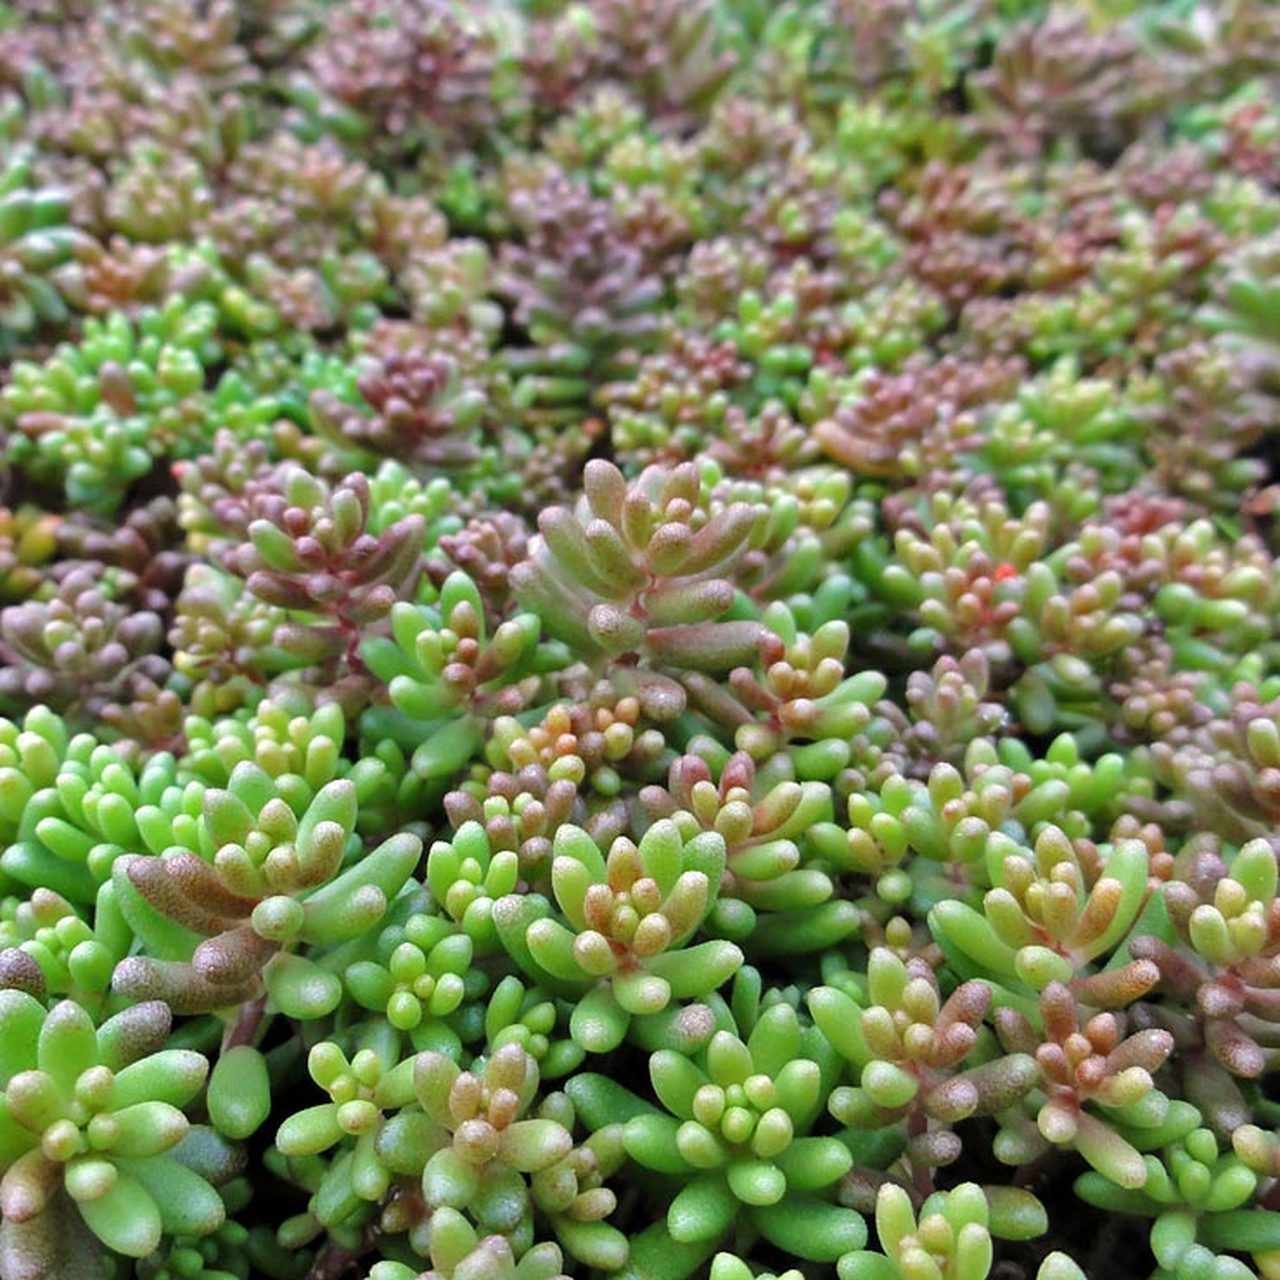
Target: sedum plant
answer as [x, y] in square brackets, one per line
[639, 570]
[620, 924]
[639, 640]
[94, 1118]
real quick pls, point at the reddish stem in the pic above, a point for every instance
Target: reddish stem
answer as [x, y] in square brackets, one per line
[246, 1025]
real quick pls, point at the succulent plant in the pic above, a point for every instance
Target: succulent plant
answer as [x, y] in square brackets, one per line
[424, 413]
[744, 1118]
[447, 679]
[40, 251]
[95, 415]
[1090, 1064]
[910, 1050]
[639, 569]
[639, 640]
[94, 1116]
[255, 875]
[622, 921]
[78, 650]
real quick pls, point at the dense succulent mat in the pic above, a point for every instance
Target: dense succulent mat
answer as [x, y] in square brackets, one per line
[640, 638]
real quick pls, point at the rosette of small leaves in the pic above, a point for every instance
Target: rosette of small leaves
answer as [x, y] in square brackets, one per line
[340, 290]
[95, 1115]
[1201, 412]
[762, 827]
[148, 711]
[949, 1239]
[426, 414]
[1063, 416]
[309, 551]
[1217, 599]
[1213, 602]
[598, 739]
[776, 335]
[1195, 1194]
[578, 285]
[962, 574]
[1055, 74]
[816, 514]
[77, 650]
[216, 490]
[395, 492]
[948, 822]
[157, 194]
[798, 698]
[139, 547]
[718, 271]
[738, 1130]
[73, 827]
[235, 403]
[293, 739]
[487, 1146]
[285, 734]
[909, 1049]
[948, 708]
[254, 876]
[92, 418]
[1055, 909]
[816, 517]
[467, 875]
[223, 640]
[431, 86]
[875, 136]
[486, 549]
[447, 287]
[1150, 700]
[1093, 1065]
[767, 444]
[418, 976]
[1228, 770]
[1066, 638]
[38, 248]
[642, 569]
[362, 1089]
[1090, 784]
[678, 397]
[1220, 960]
[82, 814]
[927, 415]
[199, 272]
[873, 840]
[618, 937]
[448, 679]
[891, 323]
[675, 60]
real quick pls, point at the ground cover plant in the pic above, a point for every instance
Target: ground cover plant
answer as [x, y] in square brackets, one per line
[639, 638]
